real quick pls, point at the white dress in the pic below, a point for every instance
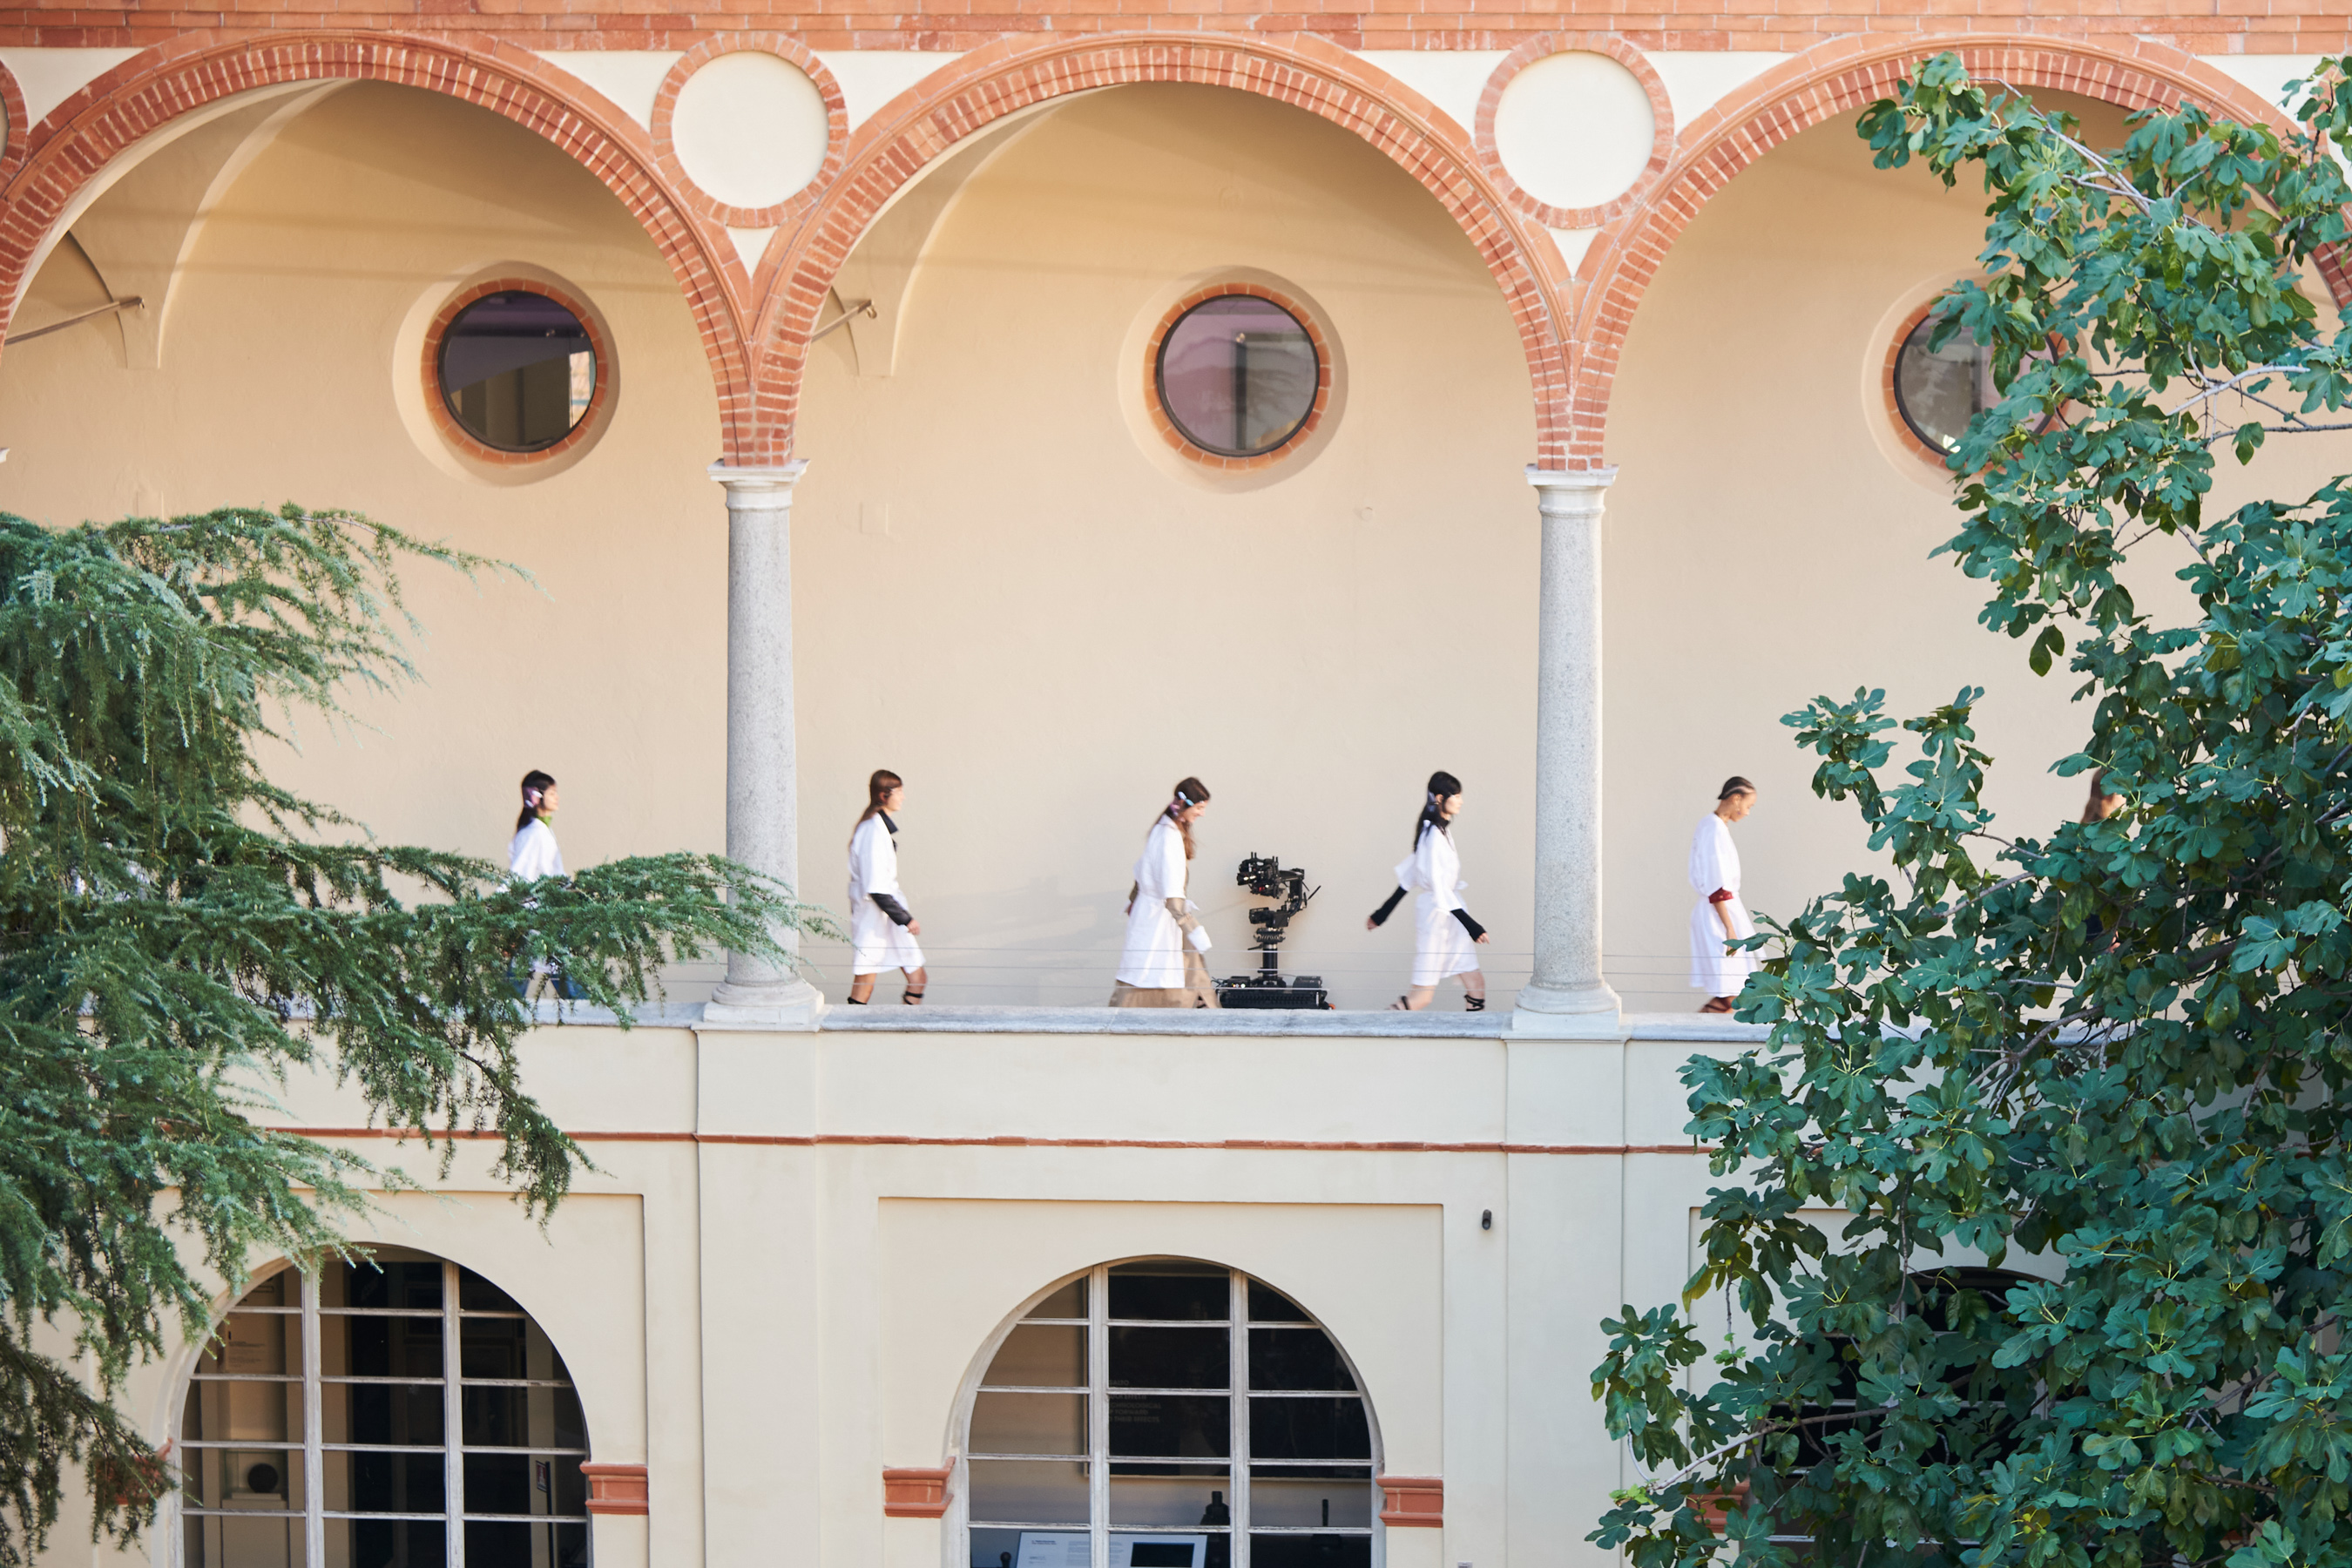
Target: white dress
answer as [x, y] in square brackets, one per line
[1715, 864]
[1153, 959]
[533, 853]
[1433, 875]
[876, 940]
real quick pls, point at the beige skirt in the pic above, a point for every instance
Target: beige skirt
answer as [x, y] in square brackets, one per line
[1198, 990]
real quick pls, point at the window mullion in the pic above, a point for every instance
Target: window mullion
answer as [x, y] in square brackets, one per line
[1099, 1416]
[1240, 1445]
[314, 1423]
[453, 1424]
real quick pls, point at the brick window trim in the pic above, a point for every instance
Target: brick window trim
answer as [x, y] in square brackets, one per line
[916, 1493]
[1903, 431]
[1217, 461]
[466, 442]
[1411, 1501]
[616, 1489]
[1661, 114]
[793, 53]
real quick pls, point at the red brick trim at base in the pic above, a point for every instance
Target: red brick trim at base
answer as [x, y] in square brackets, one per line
[616, 1489]
[1662, 115]
[1411, 1501]
[1839, 78]
[916, 1494]
[1300, 69]
[104, 120]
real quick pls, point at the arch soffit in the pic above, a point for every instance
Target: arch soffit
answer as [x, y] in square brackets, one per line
[85, 137]
[934, 118]
[1840, 77]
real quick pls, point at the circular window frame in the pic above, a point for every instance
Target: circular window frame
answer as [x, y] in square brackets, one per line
[1172, 434]
[583, 431]
[1889, 393]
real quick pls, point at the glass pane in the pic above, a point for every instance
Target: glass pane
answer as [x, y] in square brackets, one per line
[381, 1347]
[476, 1294]
[1041, 1355]
[517, 370]
[1167, 1550]
[402, 1413]
[395, 1277]
[1069, 1301]
[1335, 1498]
[495, 1418]
[1295, 1358]
[998, 1548]
[507, 1347]
[1940, 390]
[386, 1543]
[512, 1483]
[1029, 1424]
[261, 1541]
[1170, 1289]
[1179, 1425]
[518, 1545]
[1310, 1551]
[1170, 1358]
[244, 1478]
[1029, 1491]
[1310, 1429]
[1031, 1549]
[1237, 374]
[384, 1483]
[1268, 1305]
[1194, 1499]
[254, 1344]
[265, 1415]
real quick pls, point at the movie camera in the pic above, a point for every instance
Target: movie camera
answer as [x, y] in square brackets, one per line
[1269, 879]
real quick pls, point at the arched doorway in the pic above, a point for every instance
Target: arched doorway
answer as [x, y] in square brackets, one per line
[1167, 1413]
[399, 1412]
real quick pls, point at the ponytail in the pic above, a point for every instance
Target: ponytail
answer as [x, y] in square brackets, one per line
[877, 790]
[1189, 793]
[535, 786]
[1443, 787]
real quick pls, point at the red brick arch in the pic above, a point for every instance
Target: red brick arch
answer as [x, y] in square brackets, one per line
[1308, 73]
[1840, 77]
[97, 124]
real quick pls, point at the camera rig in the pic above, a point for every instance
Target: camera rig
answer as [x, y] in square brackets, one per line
[1268, 878]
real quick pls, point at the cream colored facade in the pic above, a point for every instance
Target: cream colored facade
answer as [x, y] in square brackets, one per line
[801, 1245]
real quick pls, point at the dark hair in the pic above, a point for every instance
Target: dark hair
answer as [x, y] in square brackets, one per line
[877, 790]
[1189, 792]
[535, 784]
[2098, 794]
[1443, 787]
[1733, 785]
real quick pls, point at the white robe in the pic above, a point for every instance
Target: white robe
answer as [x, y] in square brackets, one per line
[876, 940]
[1154, 956]
[1714, 863]
[533, 853]
[1433, 875]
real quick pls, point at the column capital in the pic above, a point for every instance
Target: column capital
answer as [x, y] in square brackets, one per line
[1558, 485]
[751, 484]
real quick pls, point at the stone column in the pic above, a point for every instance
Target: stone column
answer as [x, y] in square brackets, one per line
[1567, 994]
[763, 781]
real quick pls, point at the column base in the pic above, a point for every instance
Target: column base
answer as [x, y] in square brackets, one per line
[784, 1005]
[1586, 1013]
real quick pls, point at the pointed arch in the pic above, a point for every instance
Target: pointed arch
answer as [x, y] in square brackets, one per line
[78, 142]
[923, 124]
[1840, 77]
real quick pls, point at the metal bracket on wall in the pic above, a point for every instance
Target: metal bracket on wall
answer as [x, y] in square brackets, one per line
[133, 303]
[860, 307]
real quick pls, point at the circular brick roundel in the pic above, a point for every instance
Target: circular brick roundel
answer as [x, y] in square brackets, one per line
[1539, 52]
[738, 123]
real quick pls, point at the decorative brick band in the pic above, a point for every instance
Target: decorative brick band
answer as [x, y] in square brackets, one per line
[916, 1494]
[1835, 79]
[1412, 1501]
[616, 1489]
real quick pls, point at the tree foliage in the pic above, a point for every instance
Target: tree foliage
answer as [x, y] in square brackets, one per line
[177, 933]
[2113, 1057]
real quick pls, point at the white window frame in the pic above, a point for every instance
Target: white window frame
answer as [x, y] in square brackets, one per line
[313, 1511]
[1097, 1458]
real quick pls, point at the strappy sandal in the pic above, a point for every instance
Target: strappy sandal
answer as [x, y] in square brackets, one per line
[1717, 1004]
[1474, 1004]
[912, 998]
[1402, 1004]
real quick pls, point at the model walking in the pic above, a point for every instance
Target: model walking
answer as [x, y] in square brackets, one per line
[1443, 933]
[532, 854]
[1161, 966]
[1720, 917]
[882, 930]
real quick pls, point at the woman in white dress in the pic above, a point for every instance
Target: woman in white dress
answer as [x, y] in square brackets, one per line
[1720, 917]
[1161, 966]
[532, 854]
[882, 930]
[1444, 934]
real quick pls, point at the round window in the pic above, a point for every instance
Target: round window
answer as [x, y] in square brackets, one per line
[518, 371]
[1939, 389]
[1237, 376]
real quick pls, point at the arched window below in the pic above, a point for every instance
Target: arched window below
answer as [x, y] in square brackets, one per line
[1169, 1414]
[400, 1412]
